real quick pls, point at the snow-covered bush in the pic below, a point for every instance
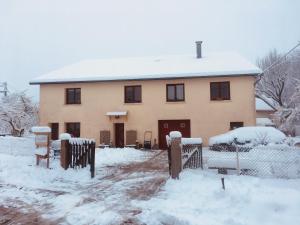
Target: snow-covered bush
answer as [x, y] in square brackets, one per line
[18, 113]
[246, 138]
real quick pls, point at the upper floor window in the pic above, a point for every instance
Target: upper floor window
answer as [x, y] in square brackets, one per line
[220, 90]
[73, 96]
[133, 94]
[175, 92]
[73, 129]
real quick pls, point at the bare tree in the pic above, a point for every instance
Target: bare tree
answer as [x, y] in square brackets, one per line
[279, 87]
[18, 113]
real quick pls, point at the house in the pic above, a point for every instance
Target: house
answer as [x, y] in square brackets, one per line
[201, 96]
[264, 113]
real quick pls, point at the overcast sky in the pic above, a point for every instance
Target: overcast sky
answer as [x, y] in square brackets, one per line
[39, 36]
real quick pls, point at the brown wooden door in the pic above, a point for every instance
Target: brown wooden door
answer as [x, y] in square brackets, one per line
[119, 135]
[166, 126]
[54, 131]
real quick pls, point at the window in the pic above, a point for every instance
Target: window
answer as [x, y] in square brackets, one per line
[220, 90]
[133, 94]
[73, 129]
[73, 96]
[175, 92]
[234, 125]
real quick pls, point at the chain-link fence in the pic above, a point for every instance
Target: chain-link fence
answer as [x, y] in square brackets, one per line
[281, 161]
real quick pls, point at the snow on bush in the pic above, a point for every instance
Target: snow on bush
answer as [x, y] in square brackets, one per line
[254, 135]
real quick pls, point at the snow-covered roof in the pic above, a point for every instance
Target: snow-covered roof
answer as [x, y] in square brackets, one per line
[143, 68]
[262, 106]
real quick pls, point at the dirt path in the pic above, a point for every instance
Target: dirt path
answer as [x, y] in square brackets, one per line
[117, 191]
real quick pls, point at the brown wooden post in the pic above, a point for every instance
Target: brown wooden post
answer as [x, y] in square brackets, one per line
[64, 154]
[92, 145]
[176, 160]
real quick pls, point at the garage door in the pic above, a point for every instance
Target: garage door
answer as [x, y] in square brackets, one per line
[166, 126]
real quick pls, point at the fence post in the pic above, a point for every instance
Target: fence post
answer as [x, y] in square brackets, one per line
[237, 160]
[64, 154]
[92, 159]
[176, 158]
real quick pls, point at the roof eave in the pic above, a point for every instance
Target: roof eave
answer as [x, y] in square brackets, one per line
[137, 79]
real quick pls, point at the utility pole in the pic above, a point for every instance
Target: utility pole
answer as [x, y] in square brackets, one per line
[4, 89]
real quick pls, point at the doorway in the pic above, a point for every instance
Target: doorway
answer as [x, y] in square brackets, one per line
[166, 126]
[119, 135]
[54, 131]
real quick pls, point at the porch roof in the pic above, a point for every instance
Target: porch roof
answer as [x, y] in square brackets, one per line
[117, 113]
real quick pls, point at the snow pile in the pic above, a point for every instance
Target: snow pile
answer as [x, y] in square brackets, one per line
[198, 198]
[17, 145]
[41, 129]
[191, 141]
[175, 134]
[255, 135]
[64, 136]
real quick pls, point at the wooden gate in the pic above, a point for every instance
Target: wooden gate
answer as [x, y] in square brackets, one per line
[78, 153]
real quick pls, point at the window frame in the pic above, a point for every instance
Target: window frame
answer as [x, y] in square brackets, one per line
[134, 97]
[220, 97]
[175, 93]
[72, 101]
[73, 123]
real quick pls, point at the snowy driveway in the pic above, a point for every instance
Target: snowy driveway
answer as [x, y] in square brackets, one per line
[71, 197]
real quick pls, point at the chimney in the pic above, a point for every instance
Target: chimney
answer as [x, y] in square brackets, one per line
[199, 49]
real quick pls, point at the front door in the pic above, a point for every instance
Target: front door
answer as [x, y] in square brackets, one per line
[166, 126]
[54, 131]
[119, 135]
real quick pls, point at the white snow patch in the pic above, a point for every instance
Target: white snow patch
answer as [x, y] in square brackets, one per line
[198, 198]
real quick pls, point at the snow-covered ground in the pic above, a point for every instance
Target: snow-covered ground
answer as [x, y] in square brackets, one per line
[129, 187]
[198, 198]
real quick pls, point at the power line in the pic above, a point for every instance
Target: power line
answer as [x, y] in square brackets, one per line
[276, 62]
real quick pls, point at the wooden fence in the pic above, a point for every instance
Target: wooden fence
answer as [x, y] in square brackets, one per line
[78, 153]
